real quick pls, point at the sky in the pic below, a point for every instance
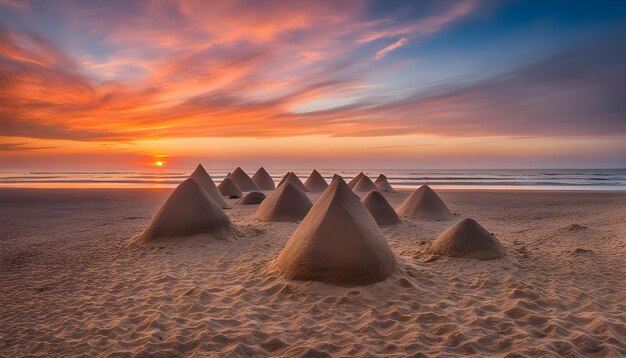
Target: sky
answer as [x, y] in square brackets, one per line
[330, 84]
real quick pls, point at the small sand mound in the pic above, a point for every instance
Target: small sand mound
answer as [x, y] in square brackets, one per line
[206, 182]
[424, 203]
[291, 177]
[382, 184]
[468, 239]
[380, 209]
[338, 242]
[315, 182]
[227, 188]
[252, 198]
[243, 181]
[355, 180]
[286, 203]
[574, 228]
[263, 180]
[364, 185]
[189, 210]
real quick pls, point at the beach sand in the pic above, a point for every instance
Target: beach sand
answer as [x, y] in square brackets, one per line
[72, 286]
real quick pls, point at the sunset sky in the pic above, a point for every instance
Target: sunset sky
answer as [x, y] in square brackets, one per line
[352, 84]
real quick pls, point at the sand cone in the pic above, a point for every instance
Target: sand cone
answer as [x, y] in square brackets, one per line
[291, 177]
[263, 180]
[364, 185]
[206, 182]
[315, 182]
[189, 210]
[424, 203]
[382, 184]
[468, 239]
[252, 198]
[228, 188]
[380, 209]
[355, 180]
[338, 242]
[286, 203]
[243, 181]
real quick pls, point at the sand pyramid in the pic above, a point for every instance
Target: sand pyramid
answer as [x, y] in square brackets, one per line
[380, 209]
[382, 184]
[243, 181]
[336, 176]
[204, 179]
[287, 203]
[189, 210]
[364, 185]
[263, 180]
[228, 187]
[338, 242]
[291, 177]
[424, 203]
[355, 180]
[468, 239]
[252, 198]
[315, 182]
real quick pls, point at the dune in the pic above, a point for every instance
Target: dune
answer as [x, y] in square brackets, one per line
[355, 180]
[380, 209]
[291, 177]
[228, 188]
[468, 239]
[243, 181]
[287, 203]
[315, 183]
[364, 185]
[338, 242]
[252, 198]
[382, 184]
[263, 180]
[424, 203]
[189, 210]
[206, 182]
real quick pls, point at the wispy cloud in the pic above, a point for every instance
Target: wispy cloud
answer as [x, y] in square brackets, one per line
[383, 52]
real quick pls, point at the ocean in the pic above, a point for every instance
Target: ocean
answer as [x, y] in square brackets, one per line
[540, 179]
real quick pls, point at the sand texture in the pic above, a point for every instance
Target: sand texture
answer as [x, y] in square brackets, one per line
[338, 242]
[468, 239]
[382, 184]
[228, 188]
[203, 178]
[252, 198]
[291, 177]
[380, 209]
[263, 179]
[287, 203]
[71, 286]
[243, 181]
[364, 185]
[315, 182]
[188, 211]
[425, 204]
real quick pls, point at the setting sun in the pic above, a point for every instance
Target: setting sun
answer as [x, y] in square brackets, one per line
[159, 164]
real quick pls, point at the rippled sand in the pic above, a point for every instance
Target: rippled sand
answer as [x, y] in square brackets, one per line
[70, 285]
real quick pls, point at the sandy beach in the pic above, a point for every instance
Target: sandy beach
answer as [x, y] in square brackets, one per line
[72, 286]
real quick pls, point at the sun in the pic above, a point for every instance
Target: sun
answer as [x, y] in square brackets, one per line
[159, 164]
